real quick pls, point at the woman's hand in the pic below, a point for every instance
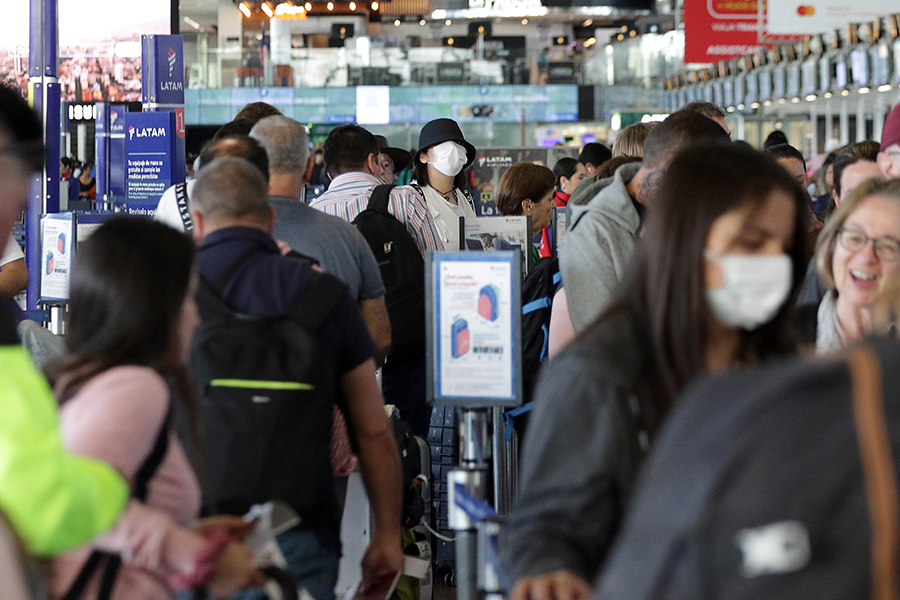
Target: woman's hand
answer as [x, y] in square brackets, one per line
[234, 571]
[236, 527]
[556, 585]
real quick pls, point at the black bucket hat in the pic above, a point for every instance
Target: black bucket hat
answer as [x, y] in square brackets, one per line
[445, 130]
[401, 158]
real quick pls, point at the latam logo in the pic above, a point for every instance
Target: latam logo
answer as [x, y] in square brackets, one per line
[145, 132]
[806, 10]
[171, 55]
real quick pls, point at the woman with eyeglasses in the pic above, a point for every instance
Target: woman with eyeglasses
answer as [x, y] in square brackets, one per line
[858, 257]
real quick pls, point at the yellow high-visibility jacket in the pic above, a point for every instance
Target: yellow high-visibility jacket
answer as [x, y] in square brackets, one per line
[54, 500]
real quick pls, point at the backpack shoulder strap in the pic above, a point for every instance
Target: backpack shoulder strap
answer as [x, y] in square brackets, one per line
[469, 199]
[305, 258]
[184, 211]
[879, 472]
[380, 197]
[317, 301]
[153, 461]
[415, 185]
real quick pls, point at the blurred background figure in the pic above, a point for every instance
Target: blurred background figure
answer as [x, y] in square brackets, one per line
[569, 173]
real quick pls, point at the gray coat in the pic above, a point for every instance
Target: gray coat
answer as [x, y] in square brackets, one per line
[581, 456]
[598, 246]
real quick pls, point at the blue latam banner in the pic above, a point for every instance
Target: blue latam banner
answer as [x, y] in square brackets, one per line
[162, 61]
[149, 158]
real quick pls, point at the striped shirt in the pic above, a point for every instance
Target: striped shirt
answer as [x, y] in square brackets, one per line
[348, 195]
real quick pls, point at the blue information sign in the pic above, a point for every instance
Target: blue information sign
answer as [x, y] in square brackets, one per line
[150, 157]
[162, 62]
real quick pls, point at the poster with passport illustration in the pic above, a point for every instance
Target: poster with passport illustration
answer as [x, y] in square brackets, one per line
[473, 327]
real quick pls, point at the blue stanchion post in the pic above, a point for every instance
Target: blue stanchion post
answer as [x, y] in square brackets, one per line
[44, 97]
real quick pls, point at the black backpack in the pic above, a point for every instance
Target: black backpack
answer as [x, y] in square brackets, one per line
[403, 271]
[268, 390]
[538, 290]
[759, 485]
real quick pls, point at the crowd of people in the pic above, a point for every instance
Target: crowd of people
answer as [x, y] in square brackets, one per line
[227, 354]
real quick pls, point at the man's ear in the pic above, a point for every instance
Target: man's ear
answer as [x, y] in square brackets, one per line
[199, 225]
[886, 164]
[372, 165]
[837, 199]
[310, 163]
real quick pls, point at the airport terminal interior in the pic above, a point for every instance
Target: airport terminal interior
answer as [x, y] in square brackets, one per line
[449, 299]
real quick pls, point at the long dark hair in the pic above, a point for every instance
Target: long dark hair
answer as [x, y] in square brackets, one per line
[665, 294]
[128, 285]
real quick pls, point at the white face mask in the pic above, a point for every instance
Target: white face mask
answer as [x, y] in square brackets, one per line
[449, 158]
[756, 286]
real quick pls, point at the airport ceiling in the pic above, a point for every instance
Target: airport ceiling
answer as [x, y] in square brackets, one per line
[575, 11]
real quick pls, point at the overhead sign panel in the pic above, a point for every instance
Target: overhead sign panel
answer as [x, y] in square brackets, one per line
[808, 17]
[717, 30]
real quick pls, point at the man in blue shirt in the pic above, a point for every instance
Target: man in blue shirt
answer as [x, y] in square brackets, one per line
[232, 217]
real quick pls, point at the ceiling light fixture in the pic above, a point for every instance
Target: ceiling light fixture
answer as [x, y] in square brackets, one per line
[244, 9]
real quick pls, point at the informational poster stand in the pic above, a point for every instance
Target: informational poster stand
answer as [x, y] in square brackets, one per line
[473, 357]
[150, 159]
[558, 229]
[61, 235]
[473, 328]
[493, 234]
[57, 231]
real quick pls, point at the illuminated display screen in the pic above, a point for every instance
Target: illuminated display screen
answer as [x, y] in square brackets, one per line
[499, 104]
[99, 46]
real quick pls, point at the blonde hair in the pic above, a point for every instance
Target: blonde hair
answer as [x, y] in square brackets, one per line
[630, 141]
[886, 189]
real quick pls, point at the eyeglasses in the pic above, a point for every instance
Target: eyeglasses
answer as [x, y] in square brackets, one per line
[31, 152]
[886, 249]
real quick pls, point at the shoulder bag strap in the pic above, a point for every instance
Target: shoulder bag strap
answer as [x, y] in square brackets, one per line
[878, 471]
[184, 211]
[141, 487]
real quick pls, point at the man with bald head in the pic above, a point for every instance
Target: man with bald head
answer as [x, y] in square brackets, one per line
[174, 208]
[233, 222]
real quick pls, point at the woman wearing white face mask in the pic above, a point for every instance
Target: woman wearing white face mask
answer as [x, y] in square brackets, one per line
[708, 290]
[858, 257]
[439, 163]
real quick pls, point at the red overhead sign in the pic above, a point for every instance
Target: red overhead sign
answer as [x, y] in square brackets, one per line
[717, 30]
